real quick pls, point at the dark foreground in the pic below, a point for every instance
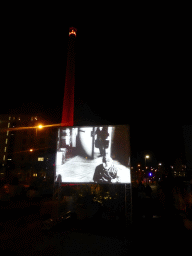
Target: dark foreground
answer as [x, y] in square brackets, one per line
[98, 235]
[161, 220]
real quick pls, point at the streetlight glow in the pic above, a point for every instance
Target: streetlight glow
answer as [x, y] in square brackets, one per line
[40, 126]
[146, 157]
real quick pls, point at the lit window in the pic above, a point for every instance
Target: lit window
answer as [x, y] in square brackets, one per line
[8, 125]
[34, 174]
[6, 141]
[7, 133]
[5, 149]
[4, 158]
[40, 159]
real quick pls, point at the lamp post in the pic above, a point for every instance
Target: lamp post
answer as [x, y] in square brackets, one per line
[38, 127]
[146, 157]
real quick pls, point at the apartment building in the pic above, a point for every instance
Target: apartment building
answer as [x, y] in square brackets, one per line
[27, 148]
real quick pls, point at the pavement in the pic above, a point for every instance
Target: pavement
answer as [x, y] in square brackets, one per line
[91, 237]
[82, 169]
[97, 235]
[69, 238]
[78, 169]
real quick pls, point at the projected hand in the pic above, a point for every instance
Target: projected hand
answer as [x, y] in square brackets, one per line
[115, 180]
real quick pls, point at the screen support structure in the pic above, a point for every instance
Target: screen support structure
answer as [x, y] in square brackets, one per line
[127, 188]
[128, 207]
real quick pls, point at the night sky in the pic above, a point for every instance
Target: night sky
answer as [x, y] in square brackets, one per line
[132, 71]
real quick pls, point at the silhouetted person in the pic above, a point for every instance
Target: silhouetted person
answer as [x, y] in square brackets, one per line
[106, 172]
[59, 178]
[141, 191]
[148, 205]
[148, 191]
[140, 200]
[101, 141]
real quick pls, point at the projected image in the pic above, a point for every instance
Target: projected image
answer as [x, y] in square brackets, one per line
[97, 154]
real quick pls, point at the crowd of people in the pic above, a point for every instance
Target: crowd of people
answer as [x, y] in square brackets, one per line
[171, 198]
[11, 189]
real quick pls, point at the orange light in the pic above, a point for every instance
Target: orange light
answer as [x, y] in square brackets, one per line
[40, 126]
[31, 149]
[72, 32]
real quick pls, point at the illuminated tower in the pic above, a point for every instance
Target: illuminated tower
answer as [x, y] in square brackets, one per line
[68, 102]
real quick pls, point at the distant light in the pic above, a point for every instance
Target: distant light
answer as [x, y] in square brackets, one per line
[40, 126]
[31, 150]
[147, 156]
[150, 174]
[72, 31]
[40, 159]
[160, 163]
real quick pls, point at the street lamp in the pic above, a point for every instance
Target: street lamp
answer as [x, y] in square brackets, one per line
[146, 157]
[40, 126]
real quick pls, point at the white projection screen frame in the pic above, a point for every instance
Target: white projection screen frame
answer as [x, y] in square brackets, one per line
[93, 154]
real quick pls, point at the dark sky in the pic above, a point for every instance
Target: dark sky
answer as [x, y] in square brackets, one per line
[133, 72]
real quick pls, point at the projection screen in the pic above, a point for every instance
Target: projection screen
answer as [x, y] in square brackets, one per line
[93, 154]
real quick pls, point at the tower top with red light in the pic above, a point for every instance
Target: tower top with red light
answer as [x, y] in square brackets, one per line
[72, 31]
[68, 101]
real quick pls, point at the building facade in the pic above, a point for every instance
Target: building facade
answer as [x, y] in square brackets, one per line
[27, 148]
